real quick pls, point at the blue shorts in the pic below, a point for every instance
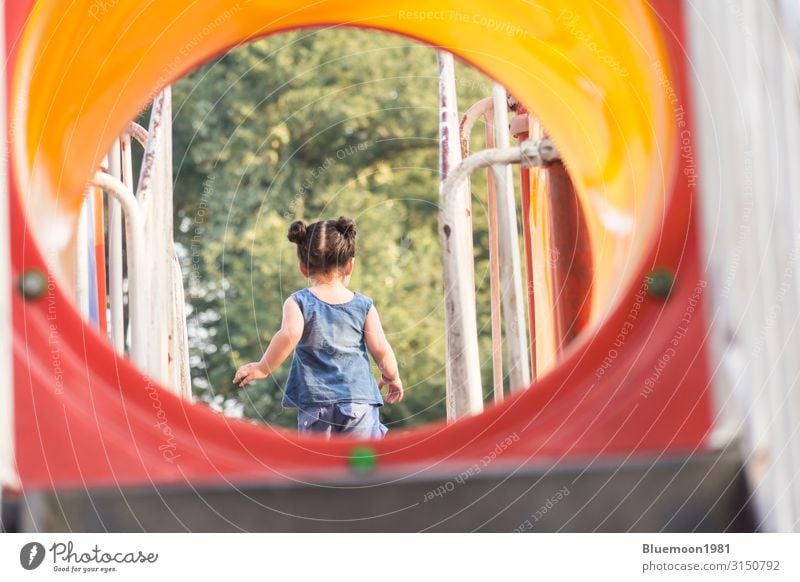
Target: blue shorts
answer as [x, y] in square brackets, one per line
[352, 419]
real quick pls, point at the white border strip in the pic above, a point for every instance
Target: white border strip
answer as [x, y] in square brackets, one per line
[8, 474]
[747, 107]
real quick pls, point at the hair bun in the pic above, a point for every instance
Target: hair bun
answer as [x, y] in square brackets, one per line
[346, 226]
[298, 232]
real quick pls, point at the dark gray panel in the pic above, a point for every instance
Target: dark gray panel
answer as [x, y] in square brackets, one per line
[700, 493]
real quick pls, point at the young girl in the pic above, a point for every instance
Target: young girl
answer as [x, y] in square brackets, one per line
[330, 329]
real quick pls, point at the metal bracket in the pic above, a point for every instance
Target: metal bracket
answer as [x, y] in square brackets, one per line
[537, 153]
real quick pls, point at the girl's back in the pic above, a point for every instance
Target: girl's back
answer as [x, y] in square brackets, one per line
[330, 362]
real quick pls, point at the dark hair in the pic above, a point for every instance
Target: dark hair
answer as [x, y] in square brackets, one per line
[324, 246]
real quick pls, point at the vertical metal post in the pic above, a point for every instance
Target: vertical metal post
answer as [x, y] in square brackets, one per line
[464, 393]
[160, 241]
[100, 261]
[510, 269]
[115, 301]
[520, 128]
[484, 109]
[747, 123]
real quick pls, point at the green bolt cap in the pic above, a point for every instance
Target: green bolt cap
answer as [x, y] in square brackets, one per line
[660, 282]
[362, 459]
[32, 284]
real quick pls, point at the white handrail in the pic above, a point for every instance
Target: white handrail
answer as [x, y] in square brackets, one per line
[8, 473]
[462, 327]
[482, 108]
[136, 266]
[139, 133]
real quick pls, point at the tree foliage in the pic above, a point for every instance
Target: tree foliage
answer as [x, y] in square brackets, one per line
[312, 125]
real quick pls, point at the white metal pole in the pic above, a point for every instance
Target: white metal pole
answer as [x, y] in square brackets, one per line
[462, 362]
[745, 90]
[460, 296]
[82, 257]
[181, 373]
[164, 251]
[484, 109]
[115, 301]
[153, 279]
[138, 133]
[8, 473]
[175, 307]
[510, 269]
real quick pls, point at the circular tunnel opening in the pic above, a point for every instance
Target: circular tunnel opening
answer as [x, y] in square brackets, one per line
[616, 159]
[311, 125]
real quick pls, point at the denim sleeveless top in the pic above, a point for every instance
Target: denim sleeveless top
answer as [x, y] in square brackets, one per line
[330, 362]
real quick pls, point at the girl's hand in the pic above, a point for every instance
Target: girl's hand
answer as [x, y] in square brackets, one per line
[249, 373]
[395, 392]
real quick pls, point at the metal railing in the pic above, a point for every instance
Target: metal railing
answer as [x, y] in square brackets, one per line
[155, 296]
[463, 386]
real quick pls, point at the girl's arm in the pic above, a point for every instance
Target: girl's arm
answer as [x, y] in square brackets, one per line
[282, 344]
[383, 355]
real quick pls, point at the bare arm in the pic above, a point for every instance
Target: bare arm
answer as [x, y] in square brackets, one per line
[281, 346]
[383, 355]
